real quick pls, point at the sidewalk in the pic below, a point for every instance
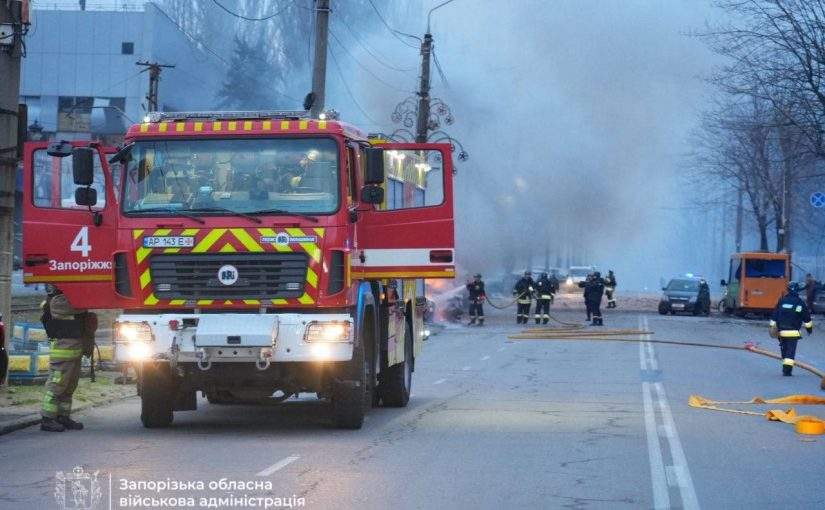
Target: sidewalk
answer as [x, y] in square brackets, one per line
[20, 404]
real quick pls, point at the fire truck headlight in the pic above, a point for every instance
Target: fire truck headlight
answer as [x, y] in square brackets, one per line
[569, 281]
[325, 332]
[139, 351]
[133, 332]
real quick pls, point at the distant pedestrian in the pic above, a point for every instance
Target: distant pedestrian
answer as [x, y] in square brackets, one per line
[789, 317]
[610, 289]
[477, 297]
[810, 291]
[523, 292]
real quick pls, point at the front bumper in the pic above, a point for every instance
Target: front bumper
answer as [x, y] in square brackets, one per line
[229, 338]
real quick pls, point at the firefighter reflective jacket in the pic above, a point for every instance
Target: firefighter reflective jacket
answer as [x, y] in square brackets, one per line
[790, 315]
[544, 289]
[476, 290]
[523, 289]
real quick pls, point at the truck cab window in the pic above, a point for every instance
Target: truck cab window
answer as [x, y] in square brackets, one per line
[54, 186]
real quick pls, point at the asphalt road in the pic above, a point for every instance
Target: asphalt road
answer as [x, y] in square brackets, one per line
[491, 424]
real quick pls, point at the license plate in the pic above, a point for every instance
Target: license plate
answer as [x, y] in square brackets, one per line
[678, 306]
[168, 242]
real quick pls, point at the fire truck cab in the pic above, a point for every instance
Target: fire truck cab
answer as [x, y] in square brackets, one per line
[254, 255]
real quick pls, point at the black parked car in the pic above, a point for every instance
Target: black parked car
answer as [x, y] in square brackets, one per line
[683, 295]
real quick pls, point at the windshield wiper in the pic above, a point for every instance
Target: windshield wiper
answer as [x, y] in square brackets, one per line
[287, 213]
[230, 211]
[172, 211]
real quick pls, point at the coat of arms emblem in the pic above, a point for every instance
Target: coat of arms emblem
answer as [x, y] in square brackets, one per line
[77, 490]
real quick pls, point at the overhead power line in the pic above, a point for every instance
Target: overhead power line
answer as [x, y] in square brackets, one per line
[362, 66]
[380, 60]
[265, 18]
[394, 32]
[349, 90]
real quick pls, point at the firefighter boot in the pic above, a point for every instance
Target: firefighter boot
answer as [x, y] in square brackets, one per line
[51, 425]
[538, 320]
[481, 321]
[472, 321]
[545, 320]
[786, 370]
[68, 423]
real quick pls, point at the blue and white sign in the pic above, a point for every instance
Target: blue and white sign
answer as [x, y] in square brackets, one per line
[818, 199]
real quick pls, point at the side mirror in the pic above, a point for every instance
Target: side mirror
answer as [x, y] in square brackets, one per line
[374, 173]
[83, 166]
[372, 194]
[85, 196]
[723, 283]
[59, 149]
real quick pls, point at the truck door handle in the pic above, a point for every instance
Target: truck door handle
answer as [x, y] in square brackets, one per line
[37, 260]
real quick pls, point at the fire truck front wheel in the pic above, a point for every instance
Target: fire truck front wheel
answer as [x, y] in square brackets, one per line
[397, 383]
[349, 395]
[157, 394]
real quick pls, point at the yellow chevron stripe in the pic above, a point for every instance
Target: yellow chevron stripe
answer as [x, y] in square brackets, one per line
[210, 239]
[312, 277]
[251, 301]
[151, 300]
[144, 127]
[137, 233]
[142, 253]
[177, 302]
[232, 125]
[216, 126]
[302, 124]
[247, 125]
[163, 127]
[227, 248]
[227, 302]
[284, 124]
[310, 248]
[145, 278]
[319, 231]
[279, 301]
[322, 124]
[180, 126]
[266, 125]
[306, 299]
[205, 301]
[245, 239]
[198, 126]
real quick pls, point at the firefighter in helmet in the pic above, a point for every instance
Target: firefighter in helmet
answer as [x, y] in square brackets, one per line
[593, 292]
[610, 289]
[72, 333]
[477, 297]
[790, 315]
[544, 295]
[523, 291]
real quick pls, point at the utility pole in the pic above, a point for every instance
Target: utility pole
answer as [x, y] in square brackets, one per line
[423, 121]
[154, 78]
[319, 65]
[11, 15]
[739, 220]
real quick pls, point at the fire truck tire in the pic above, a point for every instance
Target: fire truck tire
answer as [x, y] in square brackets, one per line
[349, 397]
[156, 395]
[397, 383]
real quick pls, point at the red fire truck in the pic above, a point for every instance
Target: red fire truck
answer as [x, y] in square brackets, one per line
[253, 254]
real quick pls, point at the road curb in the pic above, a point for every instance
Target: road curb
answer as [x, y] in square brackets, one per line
[33, 419]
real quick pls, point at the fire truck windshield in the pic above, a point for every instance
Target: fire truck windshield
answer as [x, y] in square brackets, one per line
[294, 175]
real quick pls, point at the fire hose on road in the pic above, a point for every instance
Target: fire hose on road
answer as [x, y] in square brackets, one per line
[804, 424]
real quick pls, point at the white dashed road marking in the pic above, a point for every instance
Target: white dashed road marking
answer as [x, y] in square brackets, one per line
[279, 465]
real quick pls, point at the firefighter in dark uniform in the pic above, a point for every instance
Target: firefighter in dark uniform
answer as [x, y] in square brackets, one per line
[593, 292]
[790, 315]
[544, 295]
[610, 289]
[477, 297]
[523, 292]
[72, 336]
